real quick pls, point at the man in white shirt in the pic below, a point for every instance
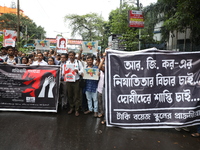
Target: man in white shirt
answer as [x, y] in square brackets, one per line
[40, 60]
[73, 88]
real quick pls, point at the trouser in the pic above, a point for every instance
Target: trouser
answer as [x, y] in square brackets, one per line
[104, 102]
[83, 100]
[92, 96]
[73, 91]
[63, 93]
[100, 103]
[103, 99]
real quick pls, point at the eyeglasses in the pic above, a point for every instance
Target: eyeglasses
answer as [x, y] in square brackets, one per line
[50, 60]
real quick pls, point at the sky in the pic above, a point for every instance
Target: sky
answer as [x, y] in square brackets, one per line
[50, 13]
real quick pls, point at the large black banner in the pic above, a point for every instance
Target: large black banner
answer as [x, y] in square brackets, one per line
[29, 88]
[152, 89]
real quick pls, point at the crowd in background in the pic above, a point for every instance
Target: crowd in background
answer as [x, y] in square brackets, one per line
[81, 95]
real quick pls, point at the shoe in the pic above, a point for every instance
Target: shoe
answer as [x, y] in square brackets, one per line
[95, 114]
[195, 135]
[178, 129]
[87, 112]
[186, 129]
[70, 112]
[76, 113]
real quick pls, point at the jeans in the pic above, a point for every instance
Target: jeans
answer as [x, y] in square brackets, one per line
[92, 96]
[63, 93]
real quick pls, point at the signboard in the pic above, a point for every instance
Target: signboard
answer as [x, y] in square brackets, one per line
[9, 38]
[29, 88]
[136, 19]
[52, 40]
[90, 46]
[69, 73]
[115, 42]
[42, 44]
[61, 44]
[91, 73]
[74, 42]
[152, 89]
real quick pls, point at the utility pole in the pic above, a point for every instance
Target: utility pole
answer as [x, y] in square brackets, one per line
[138, 4]
[138, 7]
[18, 25]
[120, 9]
[26, 35]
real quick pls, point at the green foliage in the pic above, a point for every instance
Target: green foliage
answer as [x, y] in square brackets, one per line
[9, 22]
[90, 26]
[21, 44]
[118, 21]
[177, 15]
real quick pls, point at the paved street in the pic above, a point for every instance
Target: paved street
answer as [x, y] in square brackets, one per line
[51, 131]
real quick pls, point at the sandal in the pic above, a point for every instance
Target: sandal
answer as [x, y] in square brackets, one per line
[103, 122]
[195, 135]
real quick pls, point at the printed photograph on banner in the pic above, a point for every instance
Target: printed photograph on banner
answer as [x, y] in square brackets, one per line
[91, 73]
[61, 44]
[9, 38]
[69, 73]
[89, 46]
[42, 44]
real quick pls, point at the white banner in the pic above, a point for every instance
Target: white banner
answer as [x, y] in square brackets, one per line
[9, 38]
[90, 46]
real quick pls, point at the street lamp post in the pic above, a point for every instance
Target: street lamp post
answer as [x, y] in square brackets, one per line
[138, 7]
[18, 25]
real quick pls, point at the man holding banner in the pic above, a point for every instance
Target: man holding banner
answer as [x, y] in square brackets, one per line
[73, 86]
[91, 86]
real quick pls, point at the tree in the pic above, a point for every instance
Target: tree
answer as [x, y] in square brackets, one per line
[177, 15]
[186, 16]
[90, 26]
[118, 22]
[9, 22]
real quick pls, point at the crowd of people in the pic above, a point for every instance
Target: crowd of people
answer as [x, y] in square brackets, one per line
[81, 95]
